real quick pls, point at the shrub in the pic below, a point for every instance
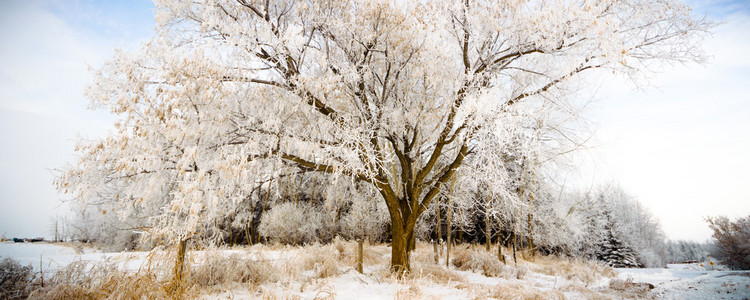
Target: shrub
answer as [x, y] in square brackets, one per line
[365, 219]
[15, 279]
[732, 241]
[465, 259]
[296, 224]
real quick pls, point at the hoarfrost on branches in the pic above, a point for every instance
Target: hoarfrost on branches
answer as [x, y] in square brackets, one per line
[230, 95]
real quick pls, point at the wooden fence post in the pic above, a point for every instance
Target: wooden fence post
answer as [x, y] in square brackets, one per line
[359, 256]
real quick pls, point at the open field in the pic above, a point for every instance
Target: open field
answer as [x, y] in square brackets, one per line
[327, 271]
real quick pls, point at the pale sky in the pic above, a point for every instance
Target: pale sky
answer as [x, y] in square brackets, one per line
[681, 145]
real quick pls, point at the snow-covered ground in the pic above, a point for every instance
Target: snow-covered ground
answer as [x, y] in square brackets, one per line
[541, 279]
[50, 257]
[692, 281]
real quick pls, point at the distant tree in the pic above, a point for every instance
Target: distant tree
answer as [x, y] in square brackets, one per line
[640, 229]
[614, 226]
[732, 241]
[683, 251]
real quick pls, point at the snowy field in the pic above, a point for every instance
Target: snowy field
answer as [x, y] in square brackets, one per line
[50, 257]
[544, 278]
[692, 281]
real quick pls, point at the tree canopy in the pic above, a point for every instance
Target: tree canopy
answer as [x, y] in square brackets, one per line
[230, 95]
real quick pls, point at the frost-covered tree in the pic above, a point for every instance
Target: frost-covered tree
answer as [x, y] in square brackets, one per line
[640, 229]
[394, 94]
[615, 226]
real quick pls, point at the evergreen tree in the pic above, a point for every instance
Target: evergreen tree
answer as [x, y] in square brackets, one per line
[614, 250]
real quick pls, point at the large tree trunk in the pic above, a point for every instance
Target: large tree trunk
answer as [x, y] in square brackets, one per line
[399, 250]
[407, 204]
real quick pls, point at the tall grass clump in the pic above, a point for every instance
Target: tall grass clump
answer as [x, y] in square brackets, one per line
[322, 260]
[82, 280]
[585, 271]
[466, 259]
[219, 270]
[518, 291]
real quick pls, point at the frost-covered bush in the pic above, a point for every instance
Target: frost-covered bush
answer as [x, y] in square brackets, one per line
[15, 279]
[296, 223]
[366, 218]
[732, 241]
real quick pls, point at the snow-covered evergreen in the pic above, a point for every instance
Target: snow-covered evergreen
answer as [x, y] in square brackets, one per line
[613, 249]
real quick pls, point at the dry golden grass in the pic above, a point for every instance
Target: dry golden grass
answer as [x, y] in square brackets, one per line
[423, 254]
[435, 273]
[628, 289]
[219, 270]
[80, 280]
[515, 290]
[579, 291]
[408, 290]
[375, 255]
[322, 260]
[465, 258]
[518, 291]
[76, 246]
[326, 292]
[584, 271]
[273, 295]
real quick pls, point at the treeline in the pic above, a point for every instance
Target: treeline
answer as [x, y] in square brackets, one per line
[603, 223]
